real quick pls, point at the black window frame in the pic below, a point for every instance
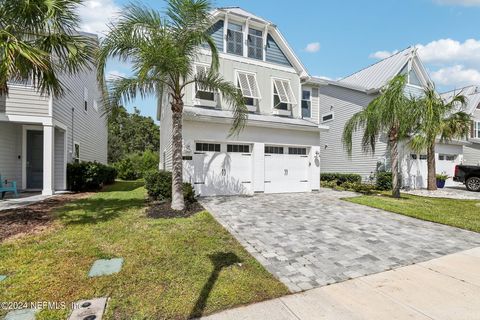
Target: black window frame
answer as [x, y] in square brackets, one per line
[274, 150]
[238, 148]
[302, 151]
[207, 147]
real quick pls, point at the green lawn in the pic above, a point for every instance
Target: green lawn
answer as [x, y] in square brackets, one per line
[173, 269]
[463, 214]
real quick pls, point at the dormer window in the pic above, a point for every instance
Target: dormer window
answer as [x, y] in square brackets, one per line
[412, 77]
[255, 44]
[235, 39]
[283, 97]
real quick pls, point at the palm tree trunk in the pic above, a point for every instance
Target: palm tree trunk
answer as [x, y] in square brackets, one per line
[432, 170]
[394, 159]
[178, 202]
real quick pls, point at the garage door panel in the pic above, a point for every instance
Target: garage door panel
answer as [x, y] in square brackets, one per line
[286, 173]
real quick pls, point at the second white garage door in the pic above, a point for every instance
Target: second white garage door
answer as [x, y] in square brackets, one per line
[286, 170]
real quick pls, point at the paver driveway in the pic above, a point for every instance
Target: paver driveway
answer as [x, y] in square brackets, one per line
[312, 239]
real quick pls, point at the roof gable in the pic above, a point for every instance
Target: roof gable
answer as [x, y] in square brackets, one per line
[374, 77]
[472, 93]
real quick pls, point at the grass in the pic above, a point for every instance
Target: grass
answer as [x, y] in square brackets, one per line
[463, 214]
[174, 268]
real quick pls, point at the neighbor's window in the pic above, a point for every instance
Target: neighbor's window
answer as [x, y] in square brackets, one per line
[203, 93]
[235, 39]
[255, 44]
[76, 152]
[85, 98]
[327, 117]
[238, 148]
[301, 151]
[306, 103]
[212, 147]
[273, 149]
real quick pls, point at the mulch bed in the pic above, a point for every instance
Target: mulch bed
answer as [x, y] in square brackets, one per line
[34, 217]
[162, 210]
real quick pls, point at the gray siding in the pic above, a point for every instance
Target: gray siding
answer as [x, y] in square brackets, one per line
[217, 34]
[344, 103]
[166, 135]
[274, 53]
[24, 100]
[471, 154]
[10, 151]
[90, 127]
[412, 91]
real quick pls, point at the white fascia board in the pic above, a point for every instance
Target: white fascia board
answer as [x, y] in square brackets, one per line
[47, 121]
[255, 123]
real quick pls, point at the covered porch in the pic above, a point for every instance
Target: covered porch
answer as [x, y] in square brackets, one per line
[34, 154]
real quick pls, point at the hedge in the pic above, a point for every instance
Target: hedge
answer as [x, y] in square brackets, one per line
[89, 176]
[159, 186]
[384, 181]
[341, 178]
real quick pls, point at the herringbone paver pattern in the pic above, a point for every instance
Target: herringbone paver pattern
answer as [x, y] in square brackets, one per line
[309, 240]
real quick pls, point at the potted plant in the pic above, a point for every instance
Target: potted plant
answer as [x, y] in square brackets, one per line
[441, 178]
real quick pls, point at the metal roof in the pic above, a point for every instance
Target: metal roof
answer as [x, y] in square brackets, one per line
[377, 75]
[472, 93]
[241, 12]
[259, 119]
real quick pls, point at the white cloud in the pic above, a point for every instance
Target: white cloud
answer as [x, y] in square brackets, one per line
[96, 14]
[448, 50]
[382, 54]
[465, 3]
[457, 76]
[312, 47]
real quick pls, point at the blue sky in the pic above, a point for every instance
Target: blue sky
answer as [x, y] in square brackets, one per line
[336, 38]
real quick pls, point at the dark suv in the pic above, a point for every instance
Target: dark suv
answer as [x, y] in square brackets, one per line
[468, 175]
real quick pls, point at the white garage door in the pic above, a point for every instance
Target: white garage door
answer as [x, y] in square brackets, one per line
[286, 169]
[222, 173]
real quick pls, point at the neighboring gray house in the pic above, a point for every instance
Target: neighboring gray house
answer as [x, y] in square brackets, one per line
[339, 100]
[40, 134]
[279, 149]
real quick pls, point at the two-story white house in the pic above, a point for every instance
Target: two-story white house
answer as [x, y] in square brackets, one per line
[40, 134]
[279, 150]
[340, 100]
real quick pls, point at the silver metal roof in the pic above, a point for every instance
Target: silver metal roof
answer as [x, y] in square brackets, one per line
[472, 93]
[377, 75]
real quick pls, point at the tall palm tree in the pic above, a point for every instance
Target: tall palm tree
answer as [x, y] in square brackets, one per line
[162, 51]
[388, 113]
[38, 41]
[441, 120]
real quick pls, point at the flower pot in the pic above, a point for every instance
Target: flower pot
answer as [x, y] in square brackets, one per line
[440, 184]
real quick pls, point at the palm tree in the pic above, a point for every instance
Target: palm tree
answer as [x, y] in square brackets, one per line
[438, 119]
[388, 113]
[162, 51]
[38, 41]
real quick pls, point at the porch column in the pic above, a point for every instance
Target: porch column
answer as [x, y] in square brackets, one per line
[48, 159]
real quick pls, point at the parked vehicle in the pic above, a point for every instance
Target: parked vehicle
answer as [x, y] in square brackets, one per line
[468, 175]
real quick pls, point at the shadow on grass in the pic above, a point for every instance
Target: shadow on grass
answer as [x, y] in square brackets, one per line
[99, 209]
[219, 260]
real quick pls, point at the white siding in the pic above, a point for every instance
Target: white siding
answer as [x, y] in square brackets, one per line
[344, 103]
[166, 135]
[59, 171]
[90, 127]
[10, 152]
[23, 100]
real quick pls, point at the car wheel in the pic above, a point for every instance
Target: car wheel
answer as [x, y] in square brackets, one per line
[473, 184]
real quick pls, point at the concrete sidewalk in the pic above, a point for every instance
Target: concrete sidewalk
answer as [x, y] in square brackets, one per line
[443, 288]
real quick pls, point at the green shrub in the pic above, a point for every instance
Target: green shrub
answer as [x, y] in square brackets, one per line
[85, 176]
[341, 177]
[148, 161]
[384, 181]
[359, 187]
[159, 186]
[134, 166]
[127, 169]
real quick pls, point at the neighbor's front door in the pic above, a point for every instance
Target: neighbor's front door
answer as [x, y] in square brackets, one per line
[34, 159]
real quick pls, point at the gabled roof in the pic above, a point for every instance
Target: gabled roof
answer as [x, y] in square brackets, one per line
[243, 13]
[472, 93]
[374, 77]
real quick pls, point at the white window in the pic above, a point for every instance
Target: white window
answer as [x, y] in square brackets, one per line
[247, 82]
[476, 130]
[76, 152]
[327, 117]
[85, 99]
[95, 105]
[412, 77]
[283, 97]
[255, 44]
[306, 103]
[235, 39]
[203, 93]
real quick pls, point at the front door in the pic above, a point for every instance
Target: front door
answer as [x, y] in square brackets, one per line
[34, 159]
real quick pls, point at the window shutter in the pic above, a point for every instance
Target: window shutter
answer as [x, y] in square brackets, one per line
[284, 91]
[248, 85]
[203, 69]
